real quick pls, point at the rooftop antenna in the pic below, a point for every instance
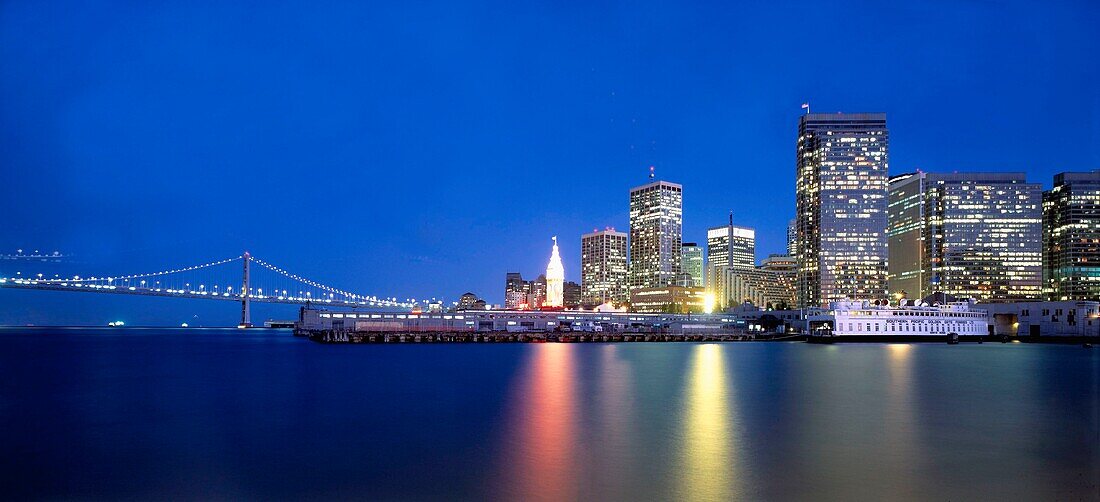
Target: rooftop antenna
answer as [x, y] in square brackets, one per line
[651, 172]
[731, 218]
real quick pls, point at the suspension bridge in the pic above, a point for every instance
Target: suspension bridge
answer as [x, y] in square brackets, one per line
[244, 279]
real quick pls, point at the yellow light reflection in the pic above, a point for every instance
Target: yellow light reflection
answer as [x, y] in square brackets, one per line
[709, 468]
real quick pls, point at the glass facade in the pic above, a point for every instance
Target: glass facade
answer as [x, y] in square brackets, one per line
[905, 229]
[656, 234]
[1071, 237]
[983, 236]
[841, 174]
[691, 260]
[604, 267]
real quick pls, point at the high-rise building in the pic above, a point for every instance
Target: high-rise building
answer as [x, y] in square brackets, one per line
[970, 235]
[604, 267]
[656, 220]
[905, 231]
[515, 291]
[1071, 237]
[841, 207]
[792, 238]
[730, 246]
[555, 279]
[691, 260]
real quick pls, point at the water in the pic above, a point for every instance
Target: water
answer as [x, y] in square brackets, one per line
[140, 414]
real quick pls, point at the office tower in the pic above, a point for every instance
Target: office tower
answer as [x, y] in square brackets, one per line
[792, 238]
[1071, 237]
[656, 218]
[691, 260]
[842, 164]
[905, 230]
[515, 291]
[983, 235]
[555, 279]
[970, 235]
[537, 297]
[729, 246]
[604, 267]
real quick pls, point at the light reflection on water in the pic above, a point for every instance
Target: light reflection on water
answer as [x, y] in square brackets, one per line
[709, 470]
[89, 415]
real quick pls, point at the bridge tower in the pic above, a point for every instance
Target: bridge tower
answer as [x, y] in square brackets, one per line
[246, 292]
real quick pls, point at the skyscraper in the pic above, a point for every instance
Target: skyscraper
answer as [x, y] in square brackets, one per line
[1071, 237]
[971, 235]
[792, 238]
[555, 279]
[604, 267]
[729, 246]
[691, 260]
[905, 230]
[842, 164]
[656, 219]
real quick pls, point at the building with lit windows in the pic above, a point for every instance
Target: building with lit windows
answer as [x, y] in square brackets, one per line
[760, 287]
[656, 238]
[969, 235]
[668, 299]
[841, 174]
[729, 246]
[784, 272]
[604, 267]
[691, 260]
[792, 238]
[905, 234]
[1071, 237]
[983, 236]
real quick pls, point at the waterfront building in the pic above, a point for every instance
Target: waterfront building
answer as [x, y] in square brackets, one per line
[669, 299]
[905, 234]
[656, 225]
[691, 259]
[1071, 237]
[855, 319]
[734, 286]
[604, 267]
[841, 174]
[842, 166]
[969, 235]
[1053, 318]
[536, 299]
[555, 279]
[983, 236]
[784, 270]
[729, 246]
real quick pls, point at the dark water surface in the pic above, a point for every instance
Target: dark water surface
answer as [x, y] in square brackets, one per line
[133, 413]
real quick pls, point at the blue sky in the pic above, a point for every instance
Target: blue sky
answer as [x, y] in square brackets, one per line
[426, 148]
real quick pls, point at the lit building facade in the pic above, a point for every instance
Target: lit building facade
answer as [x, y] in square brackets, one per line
[656, 234]
[1071, 237]
[729, 246]
[792, 238]
[604, 267]
[841, 174]
[784, 270]
[669, 299]
[983, 236]
[555, 279]
[691, 260]
[760, 287]
[515, 291]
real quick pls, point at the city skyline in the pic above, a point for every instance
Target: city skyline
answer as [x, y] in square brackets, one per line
[176, 151]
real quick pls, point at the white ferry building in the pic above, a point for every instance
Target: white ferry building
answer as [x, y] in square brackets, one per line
[861, 318]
